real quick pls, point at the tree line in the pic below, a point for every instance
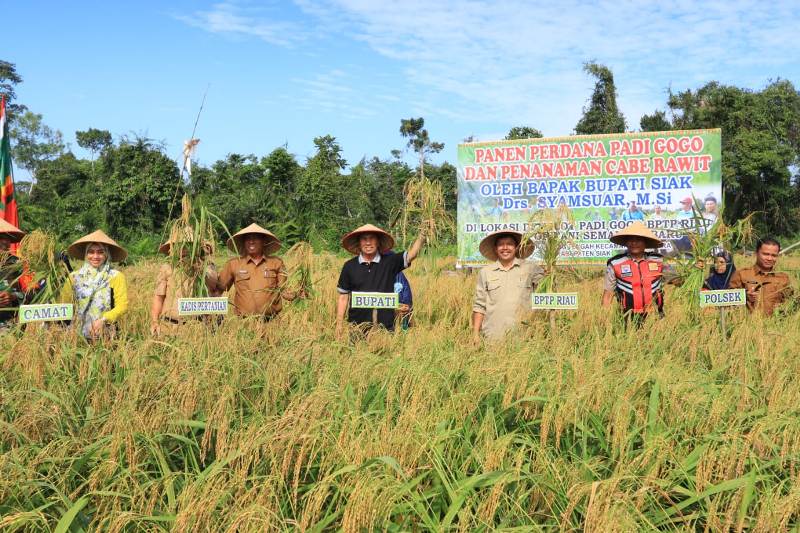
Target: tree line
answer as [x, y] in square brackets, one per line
[130, 187]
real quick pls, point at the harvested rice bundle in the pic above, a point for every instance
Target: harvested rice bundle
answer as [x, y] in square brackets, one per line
[424, 209]
[37, 253]
[191, 245]
[706, 240]
[550, 231]
[298, 261]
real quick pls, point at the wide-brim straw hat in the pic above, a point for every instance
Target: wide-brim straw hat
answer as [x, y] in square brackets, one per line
[187, 237]
[9, 230]
[487, 246]
[637, 229]
[78, 248]
[350, 241]
[271, 244]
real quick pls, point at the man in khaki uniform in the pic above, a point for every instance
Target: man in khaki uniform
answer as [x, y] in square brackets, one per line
[171, 286]
[765, 288]
[503, 290]
[259, 278]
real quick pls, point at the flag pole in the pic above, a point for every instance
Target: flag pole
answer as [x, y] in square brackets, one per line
[183, 168]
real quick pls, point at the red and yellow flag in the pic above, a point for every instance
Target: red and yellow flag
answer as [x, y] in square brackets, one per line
[8, 205]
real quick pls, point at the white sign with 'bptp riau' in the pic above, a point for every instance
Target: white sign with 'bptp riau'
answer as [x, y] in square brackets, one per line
[45, 313]
[373, 300]
[202, 306]
[554, 300]
[722, 298]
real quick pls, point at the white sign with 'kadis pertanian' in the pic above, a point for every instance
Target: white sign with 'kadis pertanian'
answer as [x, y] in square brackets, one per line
[202, 306]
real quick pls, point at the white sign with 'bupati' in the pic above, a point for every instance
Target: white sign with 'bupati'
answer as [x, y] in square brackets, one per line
[374, 300]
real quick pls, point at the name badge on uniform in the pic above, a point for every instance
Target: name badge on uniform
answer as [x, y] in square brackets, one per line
[653, 267]
[243, 272]
[626, 270]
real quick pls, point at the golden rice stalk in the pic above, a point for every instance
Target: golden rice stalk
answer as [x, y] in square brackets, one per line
[707, 241]
[193, 235]
[550, 231]
[37, 250]
[37, 253]
[299, 259]
[424, 209]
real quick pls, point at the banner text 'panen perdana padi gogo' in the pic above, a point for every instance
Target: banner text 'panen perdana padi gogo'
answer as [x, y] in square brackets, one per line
[606, 181]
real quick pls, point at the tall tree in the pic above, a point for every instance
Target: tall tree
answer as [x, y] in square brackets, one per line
[9, 79]
[602, 114]
[655, 122]
[320, 192]
[93, 140]
[139, 183]
[33, 142]
[523, 132]
[282, 169]
[419, 140]
[760, 146]
[386, 180]
[65, 200]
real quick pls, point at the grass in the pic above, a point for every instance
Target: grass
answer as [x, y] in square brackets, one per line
[279, 427]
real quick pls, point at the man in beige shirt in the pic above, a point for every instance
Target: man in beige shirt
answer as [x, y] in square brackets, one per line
[503, 290]
[172, 285]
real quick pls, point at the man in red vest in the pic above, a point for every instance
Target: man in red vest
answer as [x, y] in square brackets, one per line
[635, 276]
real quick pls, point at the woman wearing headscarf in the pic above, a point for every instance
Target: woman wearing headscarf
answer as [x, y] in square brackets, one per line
[721, 272]
[99, 292]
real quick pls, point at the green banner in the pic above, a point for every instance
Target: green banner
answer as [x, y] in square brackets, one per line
[671, 181]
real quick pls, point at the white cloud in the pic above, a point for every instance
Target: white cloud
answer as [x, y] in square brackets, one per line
[232, 19]
[518, 62]
[339, 92]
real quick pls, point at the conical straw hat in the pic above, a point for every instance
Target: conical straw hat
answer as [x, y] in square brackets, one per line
[78, 248]
[11, 231]
[188, 237]
[236, 243]
[637, 229]
[350, 241]
[487, 247]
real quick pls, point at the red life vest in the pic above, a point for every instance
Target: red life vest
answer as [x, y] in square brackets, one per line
[639, 283]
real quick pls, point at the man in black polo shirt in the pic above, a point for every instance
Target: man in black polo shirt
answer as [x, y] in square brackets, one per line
[371, 270]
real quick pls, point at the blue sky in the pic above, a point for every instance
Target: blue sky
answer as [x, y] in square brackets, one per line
[285, 72]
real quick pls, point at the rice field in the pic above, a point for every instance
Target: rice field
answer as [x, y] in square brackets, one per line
[571, 425]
